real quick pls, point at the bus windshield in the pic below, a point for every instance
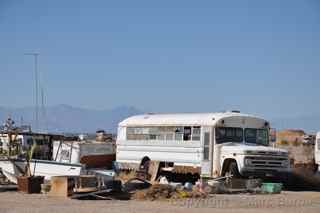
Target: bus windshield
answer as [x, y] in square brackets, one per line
[257, 136]
[229, 134]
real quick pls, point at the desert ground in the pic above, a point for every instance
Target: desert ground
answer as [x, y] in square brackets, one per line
[287, 201]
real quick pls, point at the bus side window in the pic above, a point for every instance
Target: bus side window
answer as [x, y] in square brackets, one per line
[187, 133]
[196, 133]
[206, 146]
[178, 134]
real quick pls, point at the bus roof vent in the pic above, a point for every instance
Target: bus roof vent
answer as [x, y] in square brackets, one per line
[235, 111]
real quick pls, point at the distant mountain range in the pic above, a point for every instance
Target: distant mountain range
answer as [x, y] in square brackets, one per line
[70, 119]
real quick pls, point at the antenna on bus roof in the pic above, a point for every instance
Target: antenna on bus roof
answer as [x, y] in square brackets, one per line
[235, 111]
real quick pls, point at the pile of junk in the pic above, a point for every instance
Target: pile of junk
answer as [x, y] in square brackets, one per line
[139, 185]
[142, 184]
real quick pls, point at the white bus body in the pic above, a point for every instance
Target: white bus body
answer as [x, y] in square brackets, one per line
[208, 143]
[317, 151]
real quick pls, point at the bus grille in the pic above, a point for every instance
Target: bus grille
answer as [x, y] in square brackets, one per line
[271, 162]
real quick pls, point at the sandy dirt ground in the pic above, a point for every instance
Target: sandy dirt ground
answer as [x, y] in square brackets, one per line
[289, 202]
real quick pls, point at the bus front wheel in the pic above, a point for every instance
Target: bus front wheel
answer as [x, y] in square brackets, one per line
[233, 170]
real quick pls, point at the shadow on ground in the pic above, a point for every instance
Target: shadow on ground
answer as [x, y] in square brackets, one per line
[302, 180]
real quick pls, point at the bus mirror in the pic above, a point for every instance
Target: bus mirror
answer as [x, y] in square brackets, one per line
[273, 135]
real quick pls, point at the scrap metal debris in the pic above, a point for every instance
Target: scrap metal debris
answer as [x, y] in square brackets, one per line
[107, 194]
[135, 184]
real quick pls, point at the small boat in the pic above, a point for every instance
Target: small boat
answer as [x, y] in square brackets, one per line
[69, 158]
[59, 157]
[15, 167]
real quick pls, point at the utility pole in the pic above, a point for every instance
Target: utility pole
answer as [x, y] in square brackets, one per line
[43, 111]
[35, 55]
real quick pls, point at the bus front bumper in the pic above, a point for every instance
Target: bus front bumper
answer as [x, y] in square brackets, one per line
[265, 172]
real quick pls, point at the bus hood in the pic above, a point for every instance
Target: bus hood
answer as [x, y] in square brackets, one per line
[251, 149]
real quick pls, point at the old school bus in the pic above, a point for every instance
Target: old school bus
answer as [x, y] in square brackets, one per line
[210, 144]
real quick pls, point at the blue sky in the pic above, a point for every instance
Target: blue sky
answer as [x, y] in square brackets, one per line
[261, 57]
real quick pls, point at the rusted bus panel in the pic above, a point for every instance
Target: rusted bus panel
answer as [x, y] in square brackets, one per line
[96, 161]
[187, 169]
[127, 166]
[176, 168]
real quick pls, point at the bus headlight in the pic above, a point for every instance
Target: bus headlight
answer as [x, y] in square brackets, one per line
[247, 162]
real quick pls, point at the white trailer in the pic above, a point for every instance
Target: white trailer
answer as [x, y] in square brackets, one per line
[317, 151]
[210, 144]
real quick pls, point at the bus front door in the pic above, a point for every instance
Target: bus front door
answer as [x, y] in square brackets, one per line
[207, 145]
